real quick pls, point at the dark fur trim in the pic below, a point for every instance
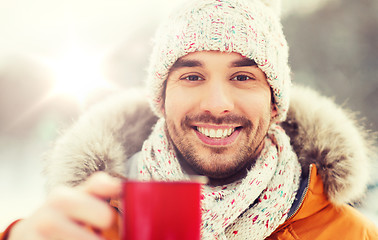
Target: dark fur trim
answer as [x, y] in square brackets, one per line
[101, 140]
[324, 134]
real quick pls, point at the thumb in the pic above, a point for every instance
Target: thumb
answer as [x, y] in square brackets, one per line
[102, 185]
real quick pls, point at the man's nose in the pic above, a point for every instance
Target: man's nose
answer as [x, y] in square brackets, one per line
[217, 99]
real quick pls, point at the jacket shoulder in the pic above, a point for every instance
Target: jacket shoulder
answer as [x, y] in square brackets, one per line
[341, 222]
[335, 222]
[318, 218]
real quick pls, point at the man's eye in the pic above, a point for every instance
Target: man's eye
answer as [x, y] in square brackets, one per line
[242, 78]
[192, 78]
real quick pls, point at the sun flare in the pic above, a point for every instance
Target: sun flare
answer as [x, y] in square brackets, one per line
[77, 74]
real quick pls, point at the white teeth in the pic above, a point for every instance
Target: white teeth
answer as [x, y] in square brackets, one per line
[219, 133]
[206, 132]
[216, 133]
[212, 133]
[230, 130]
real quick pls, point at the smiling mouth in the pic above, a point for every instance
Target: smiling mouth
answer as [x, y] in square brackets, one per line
[216, 133]
[217, 136]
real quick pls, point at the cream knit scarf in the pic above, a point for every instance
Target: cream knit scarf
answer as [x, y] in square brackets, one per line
[251, 208]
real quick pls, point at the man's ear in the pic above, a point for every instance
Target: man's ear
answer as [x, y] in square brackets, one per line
[163, 97]
[273, 112]
[162, 105]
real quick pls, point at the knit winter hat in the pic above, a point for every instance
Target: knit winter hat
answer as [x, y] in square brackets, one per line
[248, 27]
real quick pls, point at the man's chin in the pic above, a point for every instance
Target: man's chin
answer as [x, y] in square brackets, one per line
[217, 172]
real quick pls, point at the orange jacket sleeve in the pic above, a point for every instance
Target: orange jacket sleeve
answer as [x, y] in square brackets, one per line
[114, 232]
[4, 235]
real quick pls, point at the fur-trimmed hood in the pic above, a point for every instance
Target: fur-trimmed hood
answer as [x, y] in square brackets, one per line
[321, 133]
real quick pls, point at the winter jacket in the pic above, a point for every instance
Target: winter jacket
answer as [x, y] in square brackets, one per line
[333, 150]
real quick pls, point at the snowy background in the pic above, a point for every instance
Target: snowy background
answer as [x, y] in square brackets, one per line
[59, 57]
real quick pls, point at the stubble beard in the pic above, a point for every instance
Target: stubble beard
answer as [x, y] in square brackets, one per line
[217, 164]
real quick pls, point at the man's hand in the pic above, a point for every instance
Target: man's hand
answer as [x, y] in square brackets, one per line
[68, 211]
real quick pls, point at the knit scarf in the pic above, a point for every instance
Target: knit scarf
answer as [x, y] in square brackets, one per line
[251, 208]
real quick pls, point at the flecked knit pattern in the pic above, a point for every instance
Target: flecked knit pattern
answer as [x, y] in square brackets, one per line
[251, 208]
[246, 27]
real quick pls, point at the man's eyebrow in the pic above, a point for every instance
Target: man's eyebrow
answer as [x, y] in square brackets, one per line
[180, 63]
[245, 62]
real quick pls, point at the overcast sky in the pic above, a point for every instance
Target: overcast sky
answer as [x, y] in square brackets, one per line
[45, 27]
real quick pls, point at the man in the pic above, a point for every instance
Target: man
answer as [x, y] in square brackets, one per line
[220, 86]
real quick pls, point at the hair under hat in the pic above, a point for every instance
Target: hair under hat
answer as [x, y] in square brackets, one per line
[248, 27]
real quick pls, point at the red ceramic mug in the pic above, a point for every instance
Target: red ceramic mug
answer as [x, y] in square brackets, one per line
[161, 210]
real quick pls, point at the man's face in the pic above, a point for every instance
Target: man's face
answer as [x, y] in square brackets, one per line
[218, 110]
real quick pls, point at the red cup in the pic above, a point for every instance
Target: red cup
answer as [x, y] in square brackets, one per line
[161, 210]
